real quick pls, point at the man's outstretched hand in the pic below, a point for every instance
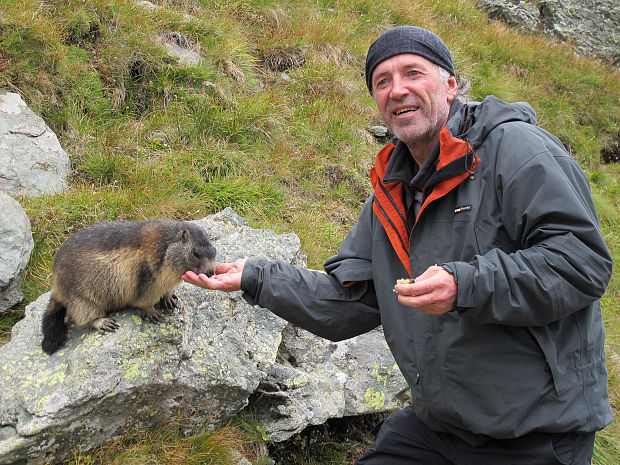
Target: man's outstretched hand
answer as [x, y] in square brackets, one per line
[227, 277]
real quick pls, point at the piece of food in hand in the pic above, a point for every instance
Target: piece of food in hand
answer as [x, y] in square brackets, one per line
[403, 281]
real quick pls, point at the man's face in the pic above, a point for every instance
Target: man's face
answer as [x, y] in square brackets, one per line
[412, 99]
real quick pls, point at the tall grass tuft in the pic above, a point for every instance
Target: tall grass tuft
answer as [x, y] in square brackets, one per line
[168, 446]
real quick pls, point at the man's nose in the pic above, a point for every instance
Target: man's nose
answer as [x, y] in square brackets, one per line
[399, 88]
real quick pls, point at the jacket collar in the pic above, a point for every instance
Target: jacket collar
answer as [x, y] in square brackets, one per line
[401, 166]
[454, 162]
[451, 156]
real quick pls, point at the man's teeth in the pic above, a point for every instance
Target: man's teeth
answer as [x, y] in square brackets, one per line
[405, 110]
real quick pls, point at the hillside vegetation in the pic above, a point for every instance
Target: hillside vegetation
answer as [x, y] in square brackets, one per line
[272, 121]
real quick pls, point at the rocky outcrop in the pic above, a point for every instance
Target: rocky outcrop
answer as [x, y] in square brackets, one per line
[314, 380]
[32, 162]
[211, 357]
[592, 26]
[516, 13]
[16, 245]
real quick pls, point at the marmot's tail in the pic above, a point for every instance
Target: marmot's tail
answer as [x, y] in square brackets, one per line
[53, 326]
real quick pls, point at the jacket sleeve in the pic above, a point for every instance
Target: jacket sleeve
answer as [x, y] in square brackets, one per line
[336, 305]
[561, 264]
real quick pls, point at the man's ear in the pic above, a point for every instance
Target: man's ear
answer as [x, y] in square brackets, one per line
[451, 88]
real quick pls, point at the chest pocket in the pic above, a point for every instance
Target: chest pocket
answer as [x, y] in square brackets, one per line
[446, 231]
[469, 223]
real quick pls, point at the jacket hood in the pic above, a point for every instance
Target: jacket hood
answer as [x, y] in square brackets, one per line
[475, 120]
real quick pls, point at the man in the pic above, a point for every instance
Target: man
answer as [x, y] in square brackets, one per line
[500, 335]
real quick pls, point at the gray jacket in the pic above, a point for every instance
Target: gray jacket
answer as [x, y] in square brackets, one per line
[509, 212]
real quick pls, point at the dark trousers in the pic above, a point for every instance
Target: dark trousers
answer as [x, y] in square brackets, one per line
[404, 440]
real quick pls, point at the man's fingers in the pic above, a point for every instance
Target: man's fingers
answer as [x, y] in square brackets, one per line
[224, 267]
[220, 282]
[415, 301]
[232, 267]
[190, 277]
[203, 280]
[416, 288]
[429, 273]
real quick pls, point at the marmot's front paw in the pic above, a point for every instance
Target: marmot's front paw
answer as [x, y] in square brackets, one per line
[151, 315]
[167, 302]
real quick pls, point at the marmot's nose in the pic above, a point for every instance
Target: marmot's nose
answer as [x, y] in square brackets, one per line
[210, 271]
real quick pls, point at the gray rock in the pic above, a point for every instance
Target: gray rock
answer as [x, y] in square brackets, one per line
[150, 6]
[16, 245]
[181, 48]
[32, 162]
[379, 131]
[98, 385]
[517, 13]
[315, 380]
[197, 368]
[593, 26]
[239, 459]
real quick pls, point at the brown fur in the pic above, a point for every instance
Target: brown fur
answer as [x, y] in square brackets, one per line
[109, 266]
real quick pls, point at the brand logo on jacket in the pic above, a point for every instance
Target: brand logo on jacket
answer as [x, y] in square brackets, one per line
[464, 208]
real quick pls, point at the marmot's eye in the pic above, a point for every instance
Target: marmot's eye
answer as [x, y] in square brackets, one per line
[197, 255]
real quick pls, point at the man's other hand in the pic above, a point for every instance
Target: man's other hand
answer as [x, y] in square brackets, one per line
[434, 291]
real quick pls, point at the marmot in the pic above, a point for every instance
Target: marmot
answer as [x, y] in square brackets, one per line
[113, 265]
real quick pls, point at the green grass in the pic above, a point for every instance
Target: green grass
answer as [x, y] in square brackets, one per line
[150, 138]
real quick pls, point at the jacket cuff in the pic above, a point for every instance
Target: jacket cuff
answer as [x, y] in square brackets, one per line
[251, 280]
[464, 276]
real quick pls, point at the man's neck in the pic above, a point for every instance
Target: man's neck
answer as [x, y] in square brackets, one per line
[421, 150]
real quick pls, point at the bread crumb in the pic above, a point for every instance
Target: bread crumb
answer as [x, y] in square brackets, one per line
[403, 281]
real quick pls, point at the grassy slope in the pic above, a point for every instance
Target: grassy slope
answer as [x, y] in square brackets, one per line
[149, 138]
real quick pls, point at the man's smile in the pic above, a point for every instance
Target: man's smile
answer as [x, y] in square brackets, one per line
[407, 109]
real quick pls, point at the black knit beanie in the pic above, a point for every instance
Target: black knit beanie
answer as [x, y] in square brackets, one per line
[407, 39]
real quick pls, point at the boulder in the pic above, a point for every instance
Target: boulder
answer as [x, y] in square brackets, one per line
[516, 13]
[592, 26]
[32, 162]
[314, 380]
[16, 245]
[210, 358]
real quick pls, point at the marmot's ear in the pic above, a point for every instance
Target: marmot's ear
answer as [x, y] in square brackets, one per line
[185, 235]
